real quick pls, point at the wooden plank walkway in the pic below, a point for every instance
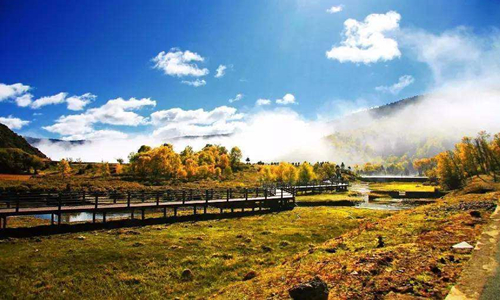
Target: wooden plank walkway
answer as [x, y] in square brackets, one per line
[67, 203]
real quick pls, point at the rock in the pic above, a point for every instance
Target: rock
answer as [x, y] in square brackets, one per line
[137, 244]
[380, 241]
[462, 246]
[81, 238]
[250, 275]
[284, 244]
[331, 250]
[475, 214]
[187, 275]
[266, 248]
[315, 289]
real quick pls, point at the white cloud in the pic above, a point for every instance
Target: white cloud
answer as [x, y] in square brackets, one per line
[13, 123]
[261, 102]
[237, 98]
[195, 83]
[114, 112]
[221, 71]
[394, 89]
[177, 122]
[365, 42]
[180, 64]
[287, 99]
[79, 102]
[55, 99]
[335, 9]
[12, 91]
[453, 53]
[24, 100]
[198, 116]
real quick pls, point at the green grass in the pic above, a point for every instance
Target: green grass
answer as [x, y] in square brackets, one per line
[147, 262]
[401, 187]
[333, 197]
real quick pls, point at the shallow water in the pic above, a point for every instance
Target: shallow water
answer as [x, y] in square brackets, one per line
[382, 204]
[84, 217]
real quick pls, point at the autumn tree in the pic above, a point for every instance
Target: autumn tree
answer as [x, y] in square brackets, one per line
[235, 157]
[305, 173]
[64, 168]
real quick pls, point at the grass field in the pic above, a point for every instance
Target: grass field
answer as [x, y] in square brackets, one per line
[12, 177]
[330, 197]
[148, 262]
[401, 187]
[415, 259]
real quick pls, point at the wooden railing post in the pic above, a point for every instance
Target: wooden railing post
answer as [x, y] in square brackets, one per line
[227, 195]
[246, 194]
[265, 193]
[17, 202]
[206, 196]
[157, 198]
[183, 196]
[128, 199]
[96, 201]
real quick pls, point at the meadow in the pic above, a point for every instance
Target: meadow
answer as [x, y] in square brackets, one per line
[149, 262]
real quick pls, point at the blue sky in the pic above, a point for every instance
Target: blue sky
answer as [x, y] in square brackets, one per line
[270, 49]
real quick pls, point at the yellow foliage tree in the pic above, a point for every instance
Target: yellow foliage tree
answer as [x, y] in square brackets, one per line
[64, 168]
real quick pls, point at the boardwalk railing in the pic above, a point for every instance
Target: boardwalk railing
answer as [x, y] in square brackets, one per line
[37, 203]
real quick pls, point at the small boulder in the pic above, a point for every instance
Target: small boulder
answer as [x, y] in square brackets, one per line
[187, 275]
[380, 242]
[315, 289]
[250, 275]
[475, 214]
[284, 244]
[266, 248]
[81, 238]
[462, 246]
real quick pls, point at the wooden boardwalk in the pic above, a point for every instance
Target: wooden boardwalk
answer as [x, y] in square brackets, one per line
[57, 204]
[320, 188]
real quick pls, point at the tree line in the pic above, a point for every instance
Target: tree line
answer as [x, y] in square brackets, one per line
[304, 173]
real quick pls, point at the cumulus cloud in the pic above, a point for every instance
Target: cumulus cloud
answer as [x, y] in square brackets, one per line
[179, 63]
[262, 102]
[114, 112]
[13, 123]
[335, 9]
[195, 83]
[237, 98]
[48, 100]
[221, 71]
[24, 100]
[12, 91]
[287, 99]
[177, 122]
[79, 102]
[366, 41]
[394, 89]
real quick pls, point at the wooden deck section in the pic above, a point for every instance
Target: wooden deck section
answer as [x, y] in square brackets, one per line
[23, 204]
[102, 203]
[320, 188]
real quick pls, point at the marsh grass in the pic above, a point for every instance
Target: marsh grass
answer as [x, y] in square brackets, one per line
[331, 197]
[147, 262]
[401, 187]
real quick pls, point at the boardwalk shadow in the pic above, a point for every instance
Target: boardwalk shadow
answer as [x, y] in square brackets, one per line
[45, 230]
